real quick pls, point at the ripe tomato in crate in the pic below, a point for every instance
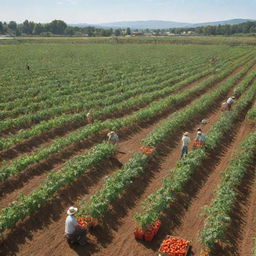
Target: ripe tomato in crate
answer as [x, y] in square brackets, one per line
[147, 150]
[174, 246]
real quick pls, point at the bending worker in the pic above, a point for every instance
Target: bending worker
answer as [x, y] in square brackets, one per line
[230, 101]
[73, 231]
[200, 139]
[113, 138]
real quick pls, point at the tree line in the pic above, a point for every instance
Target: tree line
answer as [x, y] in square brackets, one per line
[59, 27]
[56, 27]
[242, 28]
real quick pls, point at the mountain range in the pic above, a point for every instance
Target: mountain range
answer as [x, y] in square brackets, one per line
[159, 24]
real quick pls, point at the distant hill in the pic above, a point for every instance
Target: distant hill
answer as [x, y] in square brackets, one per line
[150, 24]
[159, 24]
[216, 23]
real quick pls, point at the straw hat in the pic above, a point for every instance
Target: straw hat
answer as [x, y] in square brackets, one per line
[112, 132]
[71, 210]
[186, 133]
[199, 132]
[233, 97]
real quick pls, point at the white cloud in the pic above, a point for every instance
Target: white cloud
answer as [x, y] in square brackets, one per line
[67, 2]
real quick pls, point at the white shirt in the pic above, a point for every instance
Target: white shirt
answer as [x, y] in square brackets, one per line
[113, 138]
[230, 100]
[185, 140]
[70, 224]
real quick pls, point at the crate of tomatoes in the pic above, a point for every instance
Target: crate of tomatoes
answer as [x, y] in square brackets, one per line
[87, 222]
[147, 150]
[148, 233]
[174, 246]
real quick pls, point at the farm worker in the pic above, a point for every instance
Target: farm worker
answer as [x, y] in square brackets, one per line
[113, 137]
[229, 102]
[73, 231]
[200, 139]
[185, 141]
[224, 106]
[89, 117]
[204, 121]
[27, 66]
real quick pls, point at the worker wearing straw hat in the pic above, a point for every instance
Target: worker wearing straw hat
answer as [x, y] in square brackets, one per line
[229, 102]
[185, 141]
[200, 138]
[113, 138]
[73, 231]
[89, 117]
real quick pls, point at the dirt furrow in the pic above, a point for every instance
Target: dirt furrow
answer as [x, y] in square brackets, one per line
[44, 138]
[123, 242]
[192, 222]
[33, 176]
[47, 233]
[246, 243]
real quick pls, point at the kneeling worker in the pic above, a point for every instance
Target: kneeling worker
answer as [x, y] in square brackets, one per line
[200, 139]
[73, 231]
[229, 102]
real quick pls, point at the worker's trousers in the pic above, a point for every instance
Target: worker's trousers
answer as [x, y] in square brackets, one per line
[184, 150]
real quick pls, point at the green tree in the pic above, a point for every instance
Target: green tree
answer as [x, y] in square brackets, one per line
[28, 27]
[70, 31]
[117, 32]
[38, 29]
[1, 28]
[12, 25]
[128, 31]
[57, 27]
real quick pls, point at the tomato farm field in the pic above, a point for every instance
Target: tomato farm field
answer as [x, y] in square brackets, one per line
[52, 158]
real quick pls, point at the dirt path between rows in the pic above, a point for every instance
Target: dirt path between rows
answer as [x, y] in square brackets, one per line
[45, 231]
[123, 242]
[45, 138]
[246, 242]
[192, 222]
[48, 235]
[27, 183]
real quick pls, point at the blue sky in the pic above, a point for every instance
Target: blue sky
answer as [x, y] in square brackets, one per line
[98, 11]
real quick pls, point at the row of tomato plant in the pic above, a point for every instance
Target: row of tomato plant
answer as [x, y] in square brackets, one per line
[127, 102]
[131, 103]
[116, 184]
[251, 115]
[57, 99]
[89, 100]
[83, 96]
[72, 170]
[160, 132]
[179, 177]
[84, 101]
[218, 213]
[143, 114]
[23, 206]
[96, 83]
[41, 77]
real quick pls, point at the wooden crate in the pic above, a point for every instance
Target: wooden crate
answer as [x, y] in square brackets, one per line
[165, 254]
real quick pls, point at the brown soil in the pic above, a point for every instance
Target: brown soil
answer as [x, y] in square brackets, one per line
[41, 236]
[33, 176]
[203, 191]
[44, 138]
[246, 243]
[32, 234]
